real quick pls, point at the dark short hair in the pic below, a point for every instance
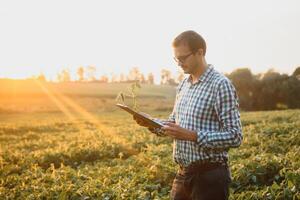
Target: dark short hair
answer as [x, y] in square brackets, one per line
[192, 39]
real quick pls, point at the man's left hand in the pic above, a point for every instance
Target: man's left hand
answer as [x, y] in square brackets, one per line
[177, 132]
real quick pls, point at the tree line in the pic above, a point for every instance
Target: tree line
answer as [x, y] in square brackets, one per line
[88, 74]
[265, 91]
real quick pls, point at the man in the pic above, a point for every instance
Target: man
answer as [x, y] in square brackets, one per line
[205, 123]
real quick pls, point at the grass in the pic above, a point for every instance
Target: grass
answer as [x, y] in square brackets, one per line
[100, 153]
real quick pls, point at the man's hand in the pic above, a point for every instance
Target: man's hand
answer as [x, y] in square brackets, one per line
[175, 131]
[140, 121]
[144, 123]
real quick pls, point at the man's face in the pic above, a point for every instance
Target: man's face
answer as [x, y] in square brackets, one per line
[185, 58]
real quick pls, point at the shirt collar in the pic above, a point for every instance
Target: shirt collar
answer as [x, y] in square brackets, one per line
[205, 76]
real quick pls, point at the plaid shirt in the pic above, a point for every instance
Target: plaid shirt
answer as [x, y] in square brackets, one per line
[209, 107]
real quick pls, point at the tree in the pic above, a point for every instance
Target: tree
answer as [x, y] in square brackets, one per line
[80, 73]
[41, 78]
[165, 76]
[134, 74]
[243, 81]
[142, 78]
[292, 88]
[272, 90]
[90, 71]
[150, 78]
[103, 79]
[172, 81]
[64, 76]
[297, 73]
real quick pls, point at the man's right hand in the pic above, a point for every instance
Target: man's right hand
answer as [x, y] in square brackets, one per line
[150, 128]
[144, 123]
[141, 122]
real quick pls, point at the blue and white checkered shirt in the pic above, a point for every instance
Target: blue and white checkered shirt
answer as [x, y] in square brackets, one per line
[209, 107]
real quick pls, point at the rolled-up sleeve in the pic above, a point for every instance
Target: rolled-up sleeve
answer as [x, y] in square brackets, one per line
[227, 110]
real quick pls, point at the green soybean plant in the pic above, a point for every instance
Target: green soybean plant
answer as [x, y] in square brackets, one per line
[132, 91]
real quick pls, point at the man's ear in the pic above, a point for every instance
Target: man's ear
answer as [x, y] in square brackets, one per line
[200, 52]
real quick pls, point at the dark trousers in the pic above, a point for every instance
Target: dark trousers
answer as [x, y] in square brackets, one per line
[200, 183]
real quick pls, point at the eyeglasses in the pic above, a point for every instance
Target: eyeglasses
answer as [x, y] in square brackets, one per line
[182, 59]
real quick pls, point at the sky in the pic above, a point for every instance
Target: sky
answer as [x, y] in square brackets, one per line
[114, 36]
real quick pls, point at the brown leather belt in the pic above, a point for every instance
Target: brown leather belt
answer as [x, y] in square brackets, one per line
[202, 166]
